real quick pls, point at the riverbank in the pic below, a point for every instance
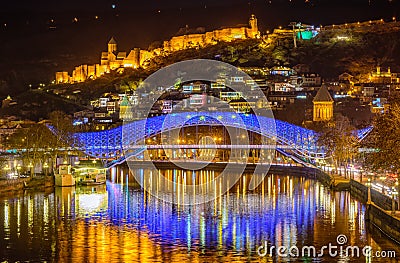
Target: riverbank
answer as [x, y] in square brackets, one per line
[12, 187]
[379, 210]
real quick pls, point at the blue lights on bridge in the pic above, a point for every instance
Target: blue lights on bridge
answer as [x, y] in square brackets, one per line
[113, 143]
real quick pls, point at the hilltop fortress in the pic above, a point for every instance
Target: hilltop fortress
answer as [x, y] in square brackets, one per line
[113, 59]
[210, 38]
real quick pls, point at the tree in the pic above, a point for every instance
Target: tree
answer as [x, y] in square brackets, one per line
[32, 143]
[62, 130]
[38, 142]
[340, 141]
[385, 141]
[3, 162]
[280, 55]
[233, 54]
[130, 85]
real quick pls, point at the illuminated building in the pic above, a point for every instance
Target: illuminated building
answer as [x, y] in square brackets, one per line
[113, 59]
[380, 77]
[167, 106]
[197, 100]
[125, 112]
[311, 80]
[323, 105]
[307, 34]
[230, 95]
[278, 100]
[283, 87]
[200, 40]
[283, 71]
[196, 87]
[379, 105]
[62, 77]
[243, 106]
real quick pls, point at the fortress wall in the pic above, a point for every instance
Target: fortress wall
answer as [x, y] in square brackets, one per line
[145, 55]
[136, 57]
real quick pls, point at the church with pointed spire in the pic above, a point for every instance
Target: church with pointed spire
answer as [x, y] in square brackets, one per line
[322, 105]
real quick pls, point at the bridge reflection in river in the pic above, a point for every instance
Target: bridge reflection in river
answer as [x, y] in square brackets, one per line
[119, 222]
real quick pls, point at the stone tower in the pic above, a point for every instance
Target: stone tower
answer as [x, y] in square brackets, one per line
[323, 105]
[253, 25]
[112, 45]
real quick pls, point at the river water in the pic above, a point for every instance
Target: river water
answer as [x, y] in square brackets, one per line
[118, 222]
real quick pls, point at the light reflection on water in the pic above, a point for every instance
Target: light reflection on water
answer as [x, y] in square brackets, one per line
[120, 223]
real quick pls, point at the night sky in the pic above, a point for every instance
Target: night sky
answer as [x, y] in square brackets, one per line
[68, 33]
[153, 20]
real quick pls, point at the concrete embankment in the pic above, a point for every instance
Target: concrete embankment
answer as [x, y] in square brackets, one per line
[379, 210]
[386, 221]
[360, 191]
[15, 186]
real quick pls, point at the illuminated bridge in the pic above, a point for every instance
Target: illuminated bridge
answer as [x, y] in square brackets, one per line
[127, 140]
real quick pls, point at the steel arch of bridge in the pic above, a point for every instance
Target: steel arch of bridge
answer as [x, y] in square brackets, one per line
[109, 144]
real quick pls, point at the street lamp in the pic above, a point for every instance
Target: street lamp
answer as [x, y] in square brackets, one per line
[351, 171]
[45, 166]
[30, 166]
[397, 189]
[369, 190]
[18, 169]
[393, 204]
[7, 168]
